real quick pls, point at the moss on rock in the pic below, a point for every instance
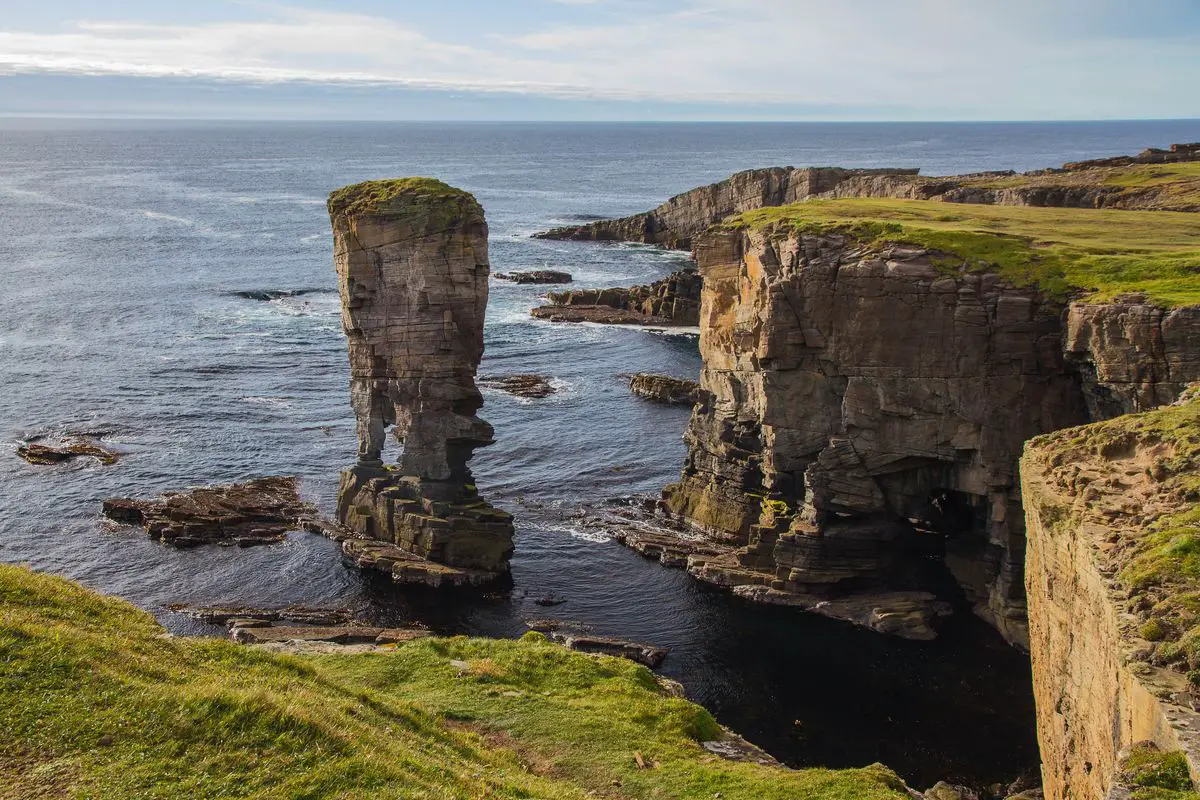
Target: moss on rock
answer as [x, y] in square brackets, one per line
[405, 197]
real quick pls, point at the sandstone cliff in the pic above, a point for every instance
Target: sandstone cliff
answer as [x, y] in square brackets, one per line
[1112, 586]
[1154, 180]
[867, 390]
[412, 263]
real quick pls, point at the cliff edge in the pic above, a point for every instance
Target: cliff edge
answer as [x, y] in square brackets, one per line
[1156, 179]
[1113, 581]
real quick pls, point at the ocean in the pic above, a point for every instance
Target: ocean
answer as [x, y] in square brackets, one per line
[135, 257]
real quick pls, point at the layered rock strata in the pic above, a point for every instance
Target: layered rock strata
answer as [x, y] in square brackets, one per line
[1089, 184]
[664, 389]
[863, 410]
[412, 263]
[674, 300]
[256, 512]
[1111, 595]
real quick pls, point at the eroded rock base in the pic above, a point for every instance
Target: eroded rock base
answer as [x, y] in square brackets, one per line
[908, 614]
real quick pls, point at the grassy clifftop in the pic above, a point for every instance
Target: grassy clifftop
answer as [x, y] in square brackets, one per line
[404, 197]
[1066, 252]
[95, 702]
[1175, 186]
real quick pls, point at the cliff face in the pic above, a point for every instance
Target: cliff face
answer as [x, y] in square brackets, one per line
[1111, 594]
[412, 264]
[1132, 356]
[1127, 182]
[676, 222]
[864, 408]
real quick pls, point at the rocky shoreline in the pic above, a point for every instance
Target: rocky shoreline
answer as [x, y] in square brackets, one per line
[674, 300]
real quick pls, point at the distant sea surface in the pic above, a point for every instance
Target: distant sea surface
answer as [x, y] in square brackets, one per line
[131, 254]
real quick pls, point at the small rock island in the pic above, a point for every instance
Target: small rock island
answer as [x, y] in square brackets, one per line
[412, 263]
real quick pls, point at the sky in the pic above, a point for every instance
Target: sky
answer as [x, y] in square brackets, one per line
[603, 59]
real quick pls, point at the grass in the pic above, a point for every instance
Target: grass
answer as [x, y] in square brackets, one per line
[402, 196]
[1176, 185]
[95, 702]
[1152, 774]
[1091, 254]
[1157, 563]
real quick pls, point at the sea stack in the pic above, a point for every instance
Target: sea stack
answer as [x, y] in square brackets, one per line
[412, 263]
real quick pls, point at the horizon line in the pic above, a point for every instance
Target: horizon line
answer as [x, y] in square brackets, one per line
[22, 115]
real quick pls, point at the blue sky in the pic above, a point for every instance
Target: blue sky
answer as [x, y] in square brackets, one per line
[603, 59]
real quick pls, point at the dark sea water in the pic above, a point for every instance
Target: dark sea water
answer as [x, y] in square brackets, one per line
[123, 245]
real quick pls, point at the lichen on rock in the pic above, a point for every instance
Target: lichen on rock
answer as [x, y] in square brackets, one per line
[412, 263]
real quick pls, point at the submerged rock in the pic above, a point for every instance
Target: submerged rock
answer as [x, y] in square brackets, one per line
[665, 389]
[541, 276]
[44, 455]
[260, 511]
[531, 386]
[412, 263]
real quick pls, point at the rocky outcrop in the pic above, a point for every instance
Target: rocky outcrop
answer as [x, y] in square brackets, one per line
[68, 449]
[863, 411]
[664, 389]
[1111, 600]
[260, 511]
[674, 300]
[412, 263]
[537, 276]
[1176, 153]
[530, 386]
[678, 221]
[1088, 184]
[1132, 355]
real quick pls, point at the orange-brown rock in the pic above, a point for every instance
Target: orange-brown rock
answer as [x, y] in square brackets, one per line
[863, 411]
[1111, 610]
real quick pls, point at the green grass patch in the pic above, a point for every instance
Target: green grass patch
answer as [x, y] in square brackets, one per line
[1154, 775]
[1174, 185]
[1065, 252]
[96, 703]
[403, 197]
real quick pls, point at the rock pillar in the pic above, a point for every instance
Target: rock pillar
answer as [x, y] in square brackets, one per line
[412, 263]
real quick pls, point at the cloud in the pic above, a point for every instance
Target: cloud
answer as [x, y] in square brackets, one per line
[964, 57]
